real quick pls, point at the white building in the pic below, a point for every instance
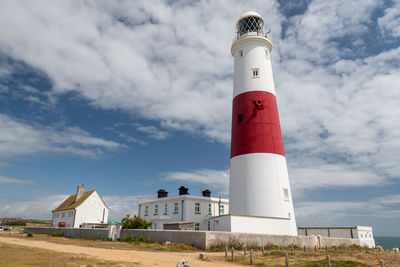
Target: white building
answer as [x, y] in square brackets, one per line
[183, 208]
[363, 233]
[80, 208]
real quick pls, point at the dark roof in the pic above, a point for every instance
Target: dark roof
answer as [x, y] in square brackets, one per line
[70, 203]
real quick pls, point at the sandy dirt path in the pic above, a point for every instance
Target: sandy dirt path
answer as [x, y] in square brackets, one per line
[144, 258]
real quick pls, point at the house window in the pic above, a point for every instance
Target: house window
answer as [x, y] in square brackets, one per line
[197, 208]
[241, 53]
[155, 209]
[209, 226]
[255, 73]
[165, 209]
[286, 194]
[209, 209]
[197, 226]
[63, 215]
[57, 215]
[146, 211]
[240, 118]
[176, 208]
[221, 210]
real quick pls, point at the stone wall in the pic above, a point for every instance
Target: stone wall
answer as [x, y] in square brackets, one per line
[202, 239]
[70, 232]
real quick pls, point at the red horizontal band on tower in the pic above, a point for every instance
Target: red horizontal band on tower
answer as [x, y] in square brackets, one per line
[255, 124]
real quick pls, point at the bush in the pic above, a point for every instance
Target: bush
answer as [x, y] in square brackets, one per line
[30, 234]
[15, 223]
[134, 223]
[136, 240]
[57, 234]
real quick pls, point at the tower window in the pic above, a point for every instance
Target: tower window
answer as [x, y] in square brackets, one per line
[286, 194]
[241, 53]
[255, 73]
[266, 53]
[240, 118]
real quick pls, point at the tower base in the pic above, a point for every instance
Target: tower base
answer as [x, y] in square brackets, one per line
[253, 224]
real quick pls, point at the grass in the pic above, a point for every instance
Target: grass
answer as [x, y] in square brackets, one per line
[18, 256]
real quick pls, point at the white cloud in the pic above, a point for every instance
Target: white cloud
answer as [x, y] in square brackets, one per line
[390, 22]
[218, 179]
[153, 132]
[18, 138]
[13, 180]
[171, 63]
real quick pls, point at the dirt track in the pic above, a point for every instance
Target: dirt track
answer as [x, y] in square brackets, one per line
[144, 258]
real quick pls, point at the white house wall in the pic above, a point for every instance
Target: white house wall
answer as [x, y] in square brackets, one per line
[91, 211]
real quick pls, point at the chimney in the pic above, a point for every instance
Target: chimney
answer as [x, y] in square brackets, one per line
[79, 192]
[183, 190]
[206, 193]
[162, 193]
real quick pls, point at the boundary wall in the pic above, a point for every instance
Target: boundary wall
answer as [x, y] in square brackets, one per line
[202, 239]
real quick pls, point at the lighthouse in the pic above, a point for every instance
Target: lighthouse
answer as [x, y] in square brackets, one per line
[260, 199]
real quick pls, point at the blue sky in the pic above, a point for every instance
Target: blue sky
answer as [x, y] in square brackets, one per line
[129, 97]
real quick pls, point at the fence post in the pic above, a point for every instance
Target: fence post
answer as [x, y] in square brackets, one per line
[251, 256]
[286, 259]
[315, 248]
[263, 250]
[382, 263]
[226, 251]
[292, 248]
[244, 250]
[305, 249]
[328, 260]
[279, 247]
[326, 248]
[233, 254]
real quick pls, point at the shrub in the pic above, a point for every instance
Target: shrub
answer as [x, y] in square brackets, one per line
[57, 234]
[134, 223]
[136, 240]
[30, 234]
[15, 223]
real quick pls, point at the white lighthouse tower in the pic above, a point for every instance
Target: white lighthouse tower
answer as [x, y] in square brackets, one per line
[260, 198]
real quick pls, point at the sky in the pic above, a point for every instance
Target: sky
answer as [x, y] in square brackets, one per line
[127, 97]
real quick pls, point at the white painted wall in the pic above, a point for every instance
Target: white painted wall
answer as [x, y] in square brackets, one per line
[66, 216]
[189, 214]
[248, 224]
[91, 211]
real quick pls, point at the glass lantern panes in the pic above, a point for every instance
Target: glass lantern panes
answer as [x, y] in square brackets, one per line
[250, 24]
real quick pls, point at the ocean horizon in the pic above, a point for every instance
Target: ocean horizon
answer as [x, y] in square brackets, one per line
[387, 242]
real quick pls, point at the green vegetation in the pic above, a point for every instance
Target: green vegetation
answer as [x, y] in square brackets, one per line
[57, 234]
[134, 223]
[30, 234]
[15, 223]
[136, 240]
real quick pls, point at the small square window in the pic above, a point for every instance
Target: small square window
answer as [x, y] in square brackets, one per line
[286, 193]
[266, 53]
[197, 226]
[197, 208]
[255, 72]
[240, 117]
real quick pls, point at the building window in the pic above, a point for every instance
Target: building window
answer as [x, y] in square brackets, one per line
[57, 215]
[197, 226]
[165, 209]
[63, 215]
[286, 194]
[255, 73]
[240, 118]
[209, 209]
[197, 208]
[146, 211]
[176, 208]
[221, 210]
[209, 226]
[266, 53]
[155, 209]
[241, 53]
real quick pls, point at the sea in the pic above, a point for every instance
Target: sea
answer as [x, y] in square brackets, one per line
[387, 242]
